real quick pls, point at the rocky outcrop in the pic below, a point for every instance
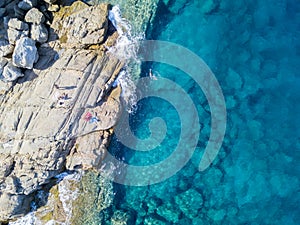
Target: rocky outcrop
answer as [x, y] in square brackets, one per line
[25, 53]
[60, 114]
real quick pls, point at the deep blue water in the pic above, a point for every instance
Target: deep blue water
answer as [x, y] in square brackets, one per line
[253, 48]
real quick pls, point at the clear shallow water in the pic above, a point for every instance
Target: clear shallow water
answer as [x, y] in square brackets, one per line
[253, 48]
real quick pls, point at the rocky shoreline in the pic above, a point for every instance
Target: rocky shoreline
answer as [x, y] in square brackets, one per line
[58, 103]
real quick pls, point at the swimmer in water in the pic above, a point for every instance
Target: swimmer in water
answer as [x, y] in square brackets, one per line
[151, 75]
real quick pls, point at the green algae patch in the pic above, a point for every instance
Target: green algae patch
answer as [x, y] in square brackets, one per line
[96, 194]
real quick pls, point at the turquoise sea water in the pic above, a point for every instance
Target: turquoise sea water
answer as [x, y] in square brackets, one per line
[253, 48]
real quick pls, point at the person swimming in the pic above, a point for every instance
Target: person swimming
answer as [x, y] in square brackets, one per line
[151, 75]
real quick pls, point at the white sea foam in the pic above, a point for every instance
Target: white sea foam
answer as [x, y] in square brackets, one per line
[126, 50]
[29, 219]
[67, 195]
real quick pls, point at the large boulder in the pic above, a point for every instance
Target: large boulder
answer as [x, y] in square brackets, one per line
[11, 73]
[17, 24]
[27, 4]
[14, 35]
[25, 53]
[87, 26]
[34, 16]
[39, 33]
[13, 203]
[16, 30]
[190, 202]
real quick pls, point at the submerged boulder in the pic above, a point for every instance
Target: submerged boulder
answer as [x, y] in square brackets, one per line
[189, 202]
[25, 53]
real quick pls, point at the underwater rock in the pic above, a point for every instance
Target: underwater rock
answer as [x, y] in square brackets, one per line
[233, 79]
[34, 16]
[169, 212]
[25, 53]
[121, 218]
[189, 202]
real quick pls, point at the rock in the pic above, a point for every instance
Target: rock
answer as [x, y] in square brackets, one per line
[189, 202]
[5, 48]
[17, 24]
[12, 204]
[50, 1]
[14, 35]
[27, 4]
[2, 12]
[216, 215]
[233, 79]
[39, 33]
[34, 16]
[4, 88]
[19, 13]
[53, 8]
[169, 212]
[11, 73]
[121, 217]
[9, 6]
[87, 26]
[3, 63]
[2, 3]
[44, 127]
[25, 53]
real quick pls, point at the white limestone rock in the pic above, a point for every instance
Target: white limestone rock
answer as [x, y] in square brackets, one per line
[34, 16]
[53, 8]
[50, 1]
[39, 33]
[11, 73]
[17, 24]
[14, 35]
[25, 53]
[5, 48]
[3, 63]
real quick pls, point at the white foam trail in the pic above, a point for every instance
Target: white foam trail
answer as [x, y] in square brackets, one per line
[126, 49]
